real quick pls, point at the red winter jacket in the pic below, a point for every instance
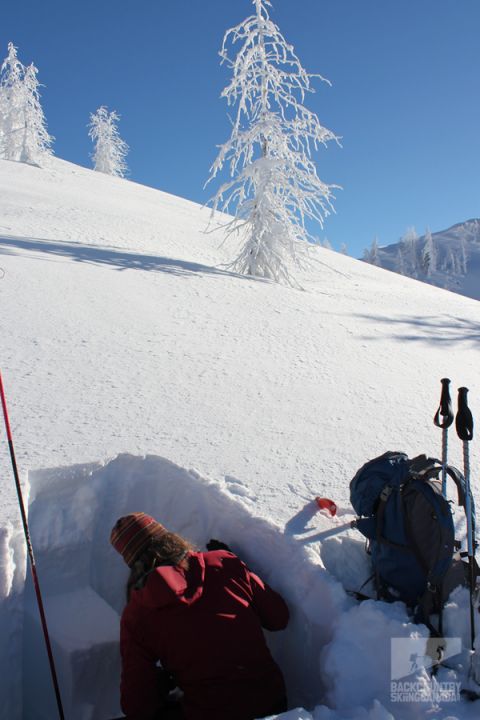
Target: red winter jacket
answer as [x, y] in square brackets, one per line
[204, 625]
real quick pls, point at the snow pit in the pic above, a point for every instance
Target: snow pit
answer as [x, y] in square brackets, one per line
[335, 653]
[71, 513]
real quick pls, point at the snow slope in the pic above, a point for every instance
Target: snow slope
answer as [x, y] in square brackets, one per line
[142, 375]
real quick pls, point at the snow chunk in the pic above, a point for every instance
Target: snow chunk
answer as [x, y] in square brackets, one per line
[7, 563]
[84, 633]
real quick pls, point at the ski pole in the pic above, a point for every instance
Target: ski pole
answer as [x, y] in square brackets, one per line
[445, 411]
[33, 566]
[464, 425]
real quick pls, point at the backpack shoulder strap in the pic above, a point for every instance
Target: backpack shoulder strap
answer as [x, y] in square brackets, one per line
[459, 481]
[425, 468]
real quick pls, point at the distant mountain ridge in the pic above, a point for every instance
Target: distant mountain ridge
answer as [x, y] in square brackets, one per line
[449, 259]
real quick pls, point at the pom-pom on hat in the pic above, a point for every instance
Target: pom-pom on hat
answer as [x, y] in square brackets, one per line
[133, 533]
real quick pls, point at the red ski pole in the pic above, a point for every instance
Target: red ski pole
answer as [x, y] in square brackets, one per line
[33, 566]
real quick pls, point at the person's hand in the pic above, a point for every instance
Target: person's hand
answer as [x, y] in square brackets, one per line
[217, 545]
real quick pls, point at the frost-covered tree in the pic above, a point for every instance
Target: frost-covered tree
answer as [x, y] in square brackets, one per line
[408, 249]
[110, 150]
[463, 257]
[11, 93]
[452, 262]
[429, 256]
[273, 187]
[23, 132]
[400, 261]
[371, 255]
[455, 260]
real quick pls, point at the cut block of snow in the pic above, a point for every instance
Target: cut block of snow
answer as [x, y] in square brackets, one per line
[84, 634]
[81, 618]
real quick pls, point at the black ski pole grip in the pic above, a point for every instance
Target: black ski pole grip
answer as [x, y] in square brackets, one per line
[464, 419]
[445, 409]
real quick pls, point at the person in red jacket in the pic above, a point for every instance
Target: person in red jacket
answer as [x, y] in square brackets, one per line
[199, 616]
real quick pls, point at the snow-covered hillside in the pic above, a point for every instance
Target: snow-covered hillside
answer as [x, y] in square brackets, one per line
[142, 375]
[449, 259]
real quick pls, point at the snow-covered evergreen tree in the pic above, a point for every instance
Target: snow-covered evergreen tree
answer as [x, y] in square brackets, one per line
[400, 261]
[23, 132]
[371, 254]
[11, 93]
[110, 150]
[429, 256]
[274, 187]
[455, 260]
[451, 263]
[463, 258]
[408, 245]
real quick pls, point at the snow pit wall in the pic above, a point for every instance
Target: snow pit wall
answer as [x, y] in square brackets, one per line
[72, 511]
[12, 583]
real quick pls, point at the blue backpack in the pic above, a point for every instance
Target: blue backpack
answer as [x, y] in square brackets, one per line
[409, 527]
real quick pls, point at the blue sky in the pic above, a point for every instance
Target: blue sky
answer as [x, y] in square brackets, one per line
[405, 96]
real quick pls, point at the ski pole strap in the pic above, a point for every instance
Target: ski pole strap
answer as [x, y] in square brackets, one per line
[445, 409]
[444, 460]
[464, 419]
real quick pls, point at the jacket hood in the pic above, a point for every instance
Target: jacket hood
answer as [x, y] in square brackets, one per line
[171, 584]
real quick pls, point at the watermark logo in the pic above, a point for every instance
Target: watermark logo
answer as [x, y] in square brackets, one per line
[411, 655]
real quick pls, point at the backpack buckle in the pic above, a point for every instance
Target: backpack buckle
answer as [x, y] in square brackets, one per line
[421, 465]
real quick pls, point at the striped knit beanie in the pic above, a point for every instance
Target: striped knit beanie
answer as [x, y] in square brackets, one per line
[133, 533]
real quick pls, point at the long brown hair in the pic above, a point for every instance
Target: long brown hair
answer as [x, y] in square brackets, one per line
[168, 549]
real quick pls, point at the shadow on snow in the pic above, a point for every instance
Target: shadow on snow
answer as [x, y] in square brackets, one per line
[442, 329]
[114, 257]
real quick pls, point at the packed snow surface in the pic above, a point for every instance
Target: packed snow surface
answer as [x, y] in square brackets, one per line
[141, 374]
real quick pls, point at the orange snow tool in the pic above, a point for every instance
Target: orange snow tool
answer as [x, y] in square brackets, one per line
[326, 504]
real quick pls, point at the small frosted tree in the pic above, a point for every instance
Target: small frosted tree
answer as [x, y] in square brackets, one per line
[371, 255]
[274, 187]
[408, 245]
[23, 132]
[463, 257]
[110, 150]
[455, 261]
[452, 261]
[429, 256]
[400, 261]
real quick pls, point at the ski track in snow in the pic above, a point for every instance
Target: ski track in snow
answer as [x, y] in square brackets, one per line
[122, 333]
